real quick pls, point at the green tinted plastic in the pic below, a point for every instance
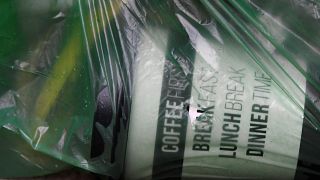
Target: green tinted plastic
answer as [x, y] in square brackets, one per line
[220, 59]
[68, 69]
[22, 161]
[64, 82]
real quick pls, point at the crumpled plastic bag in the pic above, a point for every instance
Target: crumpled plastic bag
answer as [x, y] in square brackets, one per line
[65, 80]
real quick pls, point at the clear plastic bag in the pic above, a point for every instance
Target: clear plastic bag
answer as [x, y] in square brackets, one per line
[225, 90]
[218, 89]
[65, 80]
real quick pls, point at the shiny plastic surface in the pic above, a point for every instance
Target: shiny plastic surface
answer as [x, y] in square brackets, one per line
[68, 69]
[65, 81]
[225, 89]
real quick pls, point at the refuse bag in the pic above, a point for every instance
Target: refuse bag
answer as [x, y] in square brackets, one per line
[212, 89]
[20, 160]
[65, 83]
[225, 90]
